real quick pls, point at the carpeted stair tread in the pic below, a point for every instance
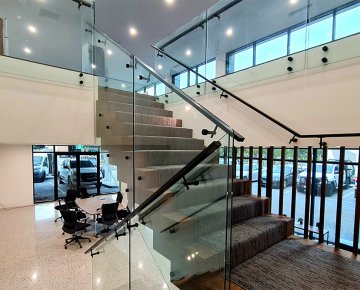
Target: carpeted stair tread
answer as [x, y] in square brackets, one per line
[109, 106]
[291, 265]
[249, 237]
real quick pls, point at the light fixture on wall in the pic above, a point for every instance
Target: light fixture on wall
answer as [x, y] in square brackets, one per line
[293, 1]
[109, 52]
[188, 52]
[93, 66]
[160, 67]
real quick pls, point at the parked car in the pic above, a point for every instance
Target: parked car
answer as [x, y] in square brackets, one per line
[288, 175]
[88, 173]
[246, 167]
[332, 178]
[41, 166]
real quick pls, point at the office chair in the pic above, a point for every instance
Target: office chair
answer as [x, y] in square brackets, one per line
[69, 200]
[122, 213]
[73, 226]
[84, 193]
[70, 203]
[108, 216]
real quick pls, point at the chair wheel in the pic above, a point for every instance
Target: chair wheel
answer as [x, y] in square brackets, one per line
[65, 247]
[96, 236]
[89, 240]
[63, 233]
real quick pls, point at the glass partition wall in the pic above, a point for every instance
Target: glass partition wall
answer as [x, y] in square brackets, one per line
[250, 41]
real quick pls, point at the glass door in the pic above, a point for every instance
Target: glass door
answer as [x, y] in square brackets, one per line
[90, 177]
[66, 173]
[43, 173]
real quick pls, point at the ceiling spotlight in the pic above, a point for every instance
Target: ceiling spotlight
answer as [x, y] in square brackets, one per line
[109, 52]
[169, 1]
[160, 67]
[229, 32]
[32, 29]
[123, 85]
[293, 1]
[187, 108]
[93, 66]
[188, 52]
[133, 31]
[27, 50]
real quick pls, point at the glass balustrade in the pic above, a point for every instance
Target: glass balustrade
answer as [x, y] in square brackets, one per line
[41, 31]
[251, 41]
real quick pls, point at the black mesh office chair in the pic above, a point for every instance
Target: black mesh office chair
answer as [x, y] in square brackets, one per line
[73, 226]
[108, 216]
[122, 213]
[69, 203]
[84, 193]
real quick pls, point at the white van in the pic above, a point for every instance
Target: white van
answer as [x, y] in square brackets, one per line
[41, 166]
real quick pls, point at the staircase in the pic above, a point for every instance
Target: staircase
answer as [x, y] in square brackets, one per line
[190, 228]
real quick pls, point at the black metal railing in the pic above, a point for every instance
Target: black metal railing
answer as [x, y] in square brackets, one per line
[317, 183]
[158, 193]
[224, 91]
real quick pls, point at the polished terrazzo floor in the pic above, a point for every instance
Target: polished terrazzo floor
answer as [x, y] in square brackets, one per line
[33, 256]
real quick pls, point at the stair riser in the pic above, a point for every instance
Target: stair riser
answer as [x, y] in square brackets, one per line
[126, 100]
[110, 94]
[145, 142]
[105, 106]
[122, 129]
[156, 178]
[144, 159]
[120, 117]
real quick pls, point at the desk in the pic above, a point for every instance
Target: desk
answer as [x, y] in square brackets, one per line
[92, 205]
[313, 230]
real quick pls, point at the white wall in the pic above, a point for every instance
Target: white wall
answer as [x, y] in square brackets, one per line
[16, 177]
[45, 105]
[39, 105]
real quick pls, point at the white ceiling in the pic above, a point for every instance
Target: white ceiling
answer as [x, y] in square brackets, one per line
[154, 20]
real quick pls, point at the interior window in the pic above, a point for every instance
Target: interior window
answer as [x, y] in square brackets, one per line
[320, 31]
[271, 49]
[347, 21]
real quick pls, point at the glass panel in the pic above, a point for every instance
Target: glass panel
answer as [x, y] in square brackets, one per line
[271, 49]
[347, 21]
[42, 31]
[66, 165]
[189, 48]
[110, 268]
[178, 223]
[43, 173]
